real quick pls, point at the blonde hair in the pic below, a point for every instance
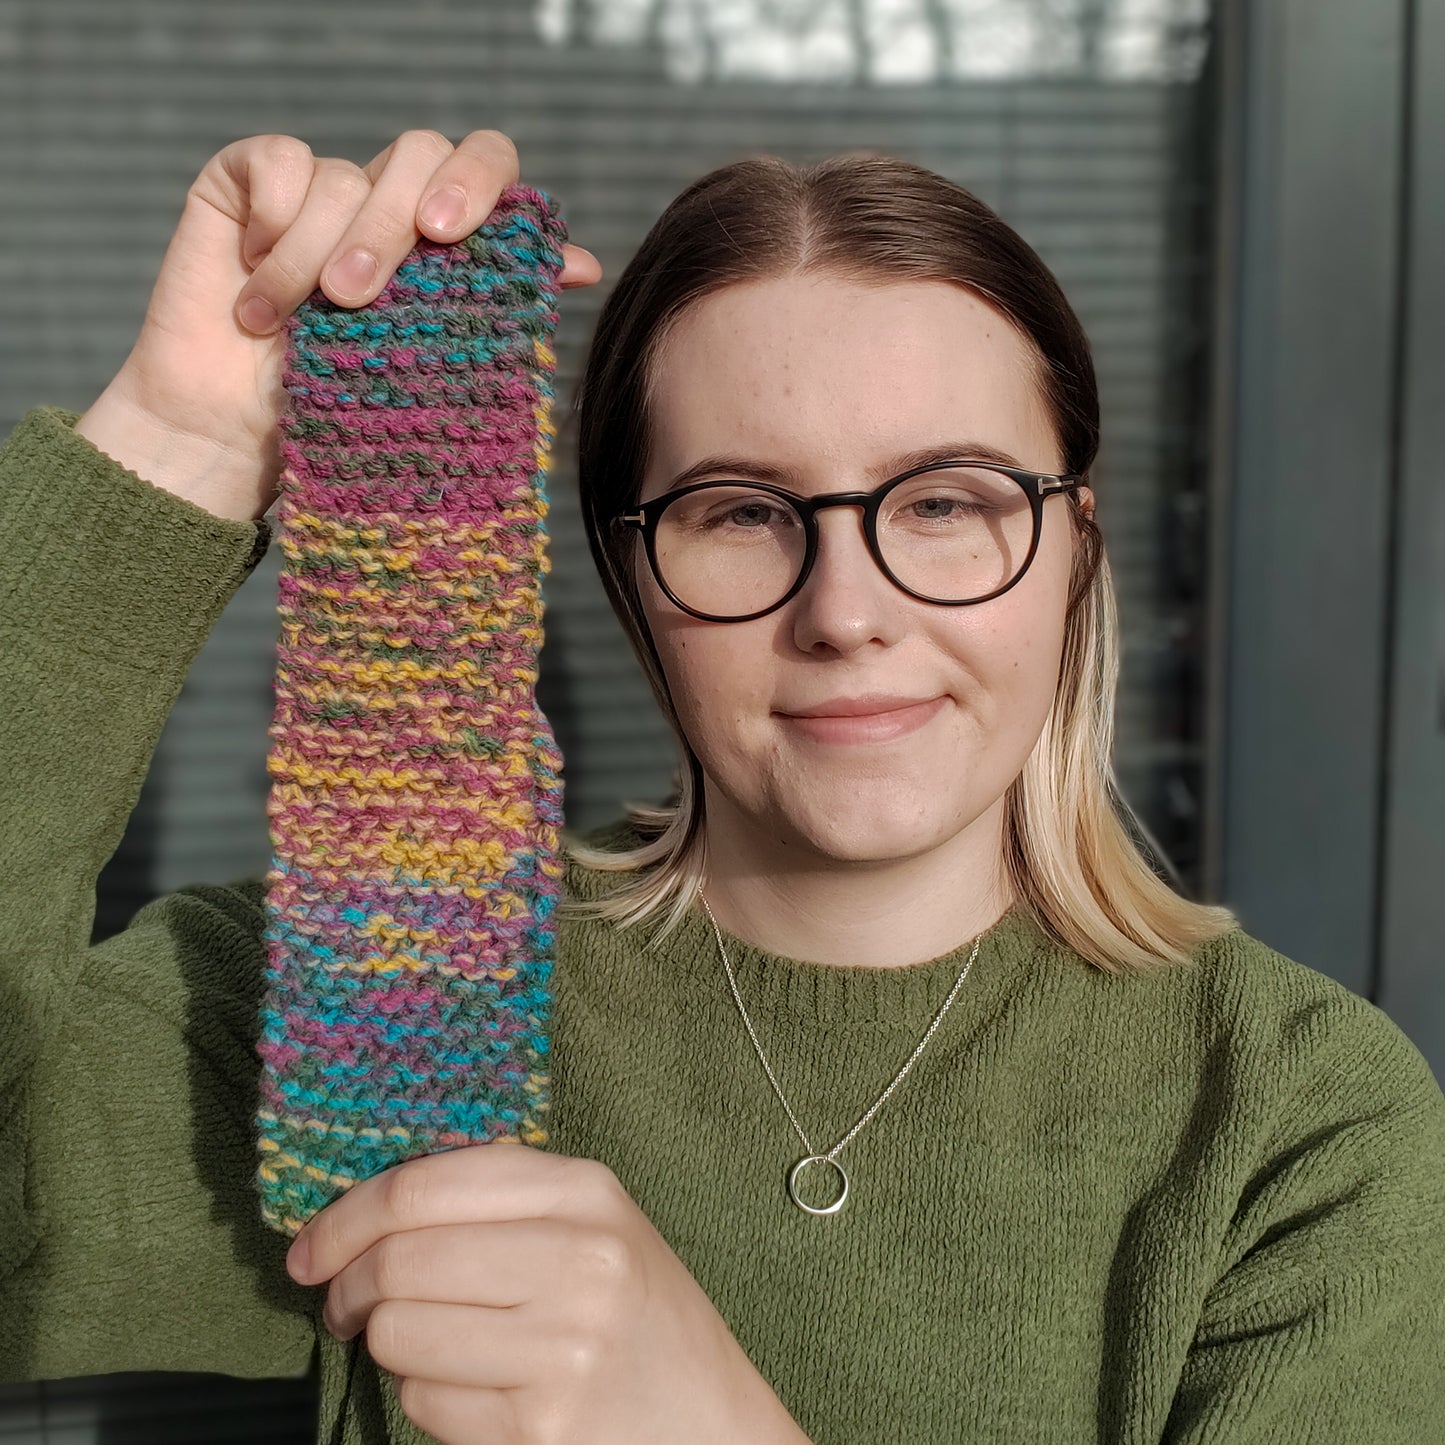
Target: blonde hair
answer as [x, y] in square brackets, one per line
[1073, 849]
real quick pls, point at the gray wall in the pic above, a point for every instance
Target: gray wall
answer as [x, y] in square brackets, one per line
[1331, 727]
[1412, 855]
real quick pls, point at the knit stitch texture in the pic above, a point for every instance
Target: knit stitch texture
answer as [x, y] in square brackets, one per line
[416, 791]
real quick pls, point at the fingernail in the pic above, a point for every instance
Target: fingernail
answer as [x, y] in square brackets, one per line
[352, 274]
[258, 315]
[444, 211]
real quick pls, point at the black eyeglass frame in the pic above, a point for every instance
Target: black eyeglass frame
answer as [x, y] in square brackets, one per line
[1038, 487]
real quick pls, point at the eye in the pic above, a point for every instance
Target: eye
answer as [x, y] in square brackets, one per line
[953, 497]
[938, 509]
[728, 509]
[745, 514]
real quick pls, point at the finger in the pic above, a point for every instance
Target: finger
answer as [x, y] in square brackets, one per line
[467, 185]
[381, 233]
[378, 163]
[582, 268]
[471, 182]
[495, 1264]
[416, 168]
[459, 1412]
[289, 273]
[472, 1185]
[270, 174]
[463, 1345]
[457, 172]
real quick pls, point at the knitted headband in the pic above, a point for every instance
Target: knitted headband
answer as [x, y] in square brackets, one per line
[416, 792]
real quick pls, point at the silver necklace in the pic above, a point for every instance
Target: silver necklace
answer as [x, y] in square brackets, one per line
[831, 1157]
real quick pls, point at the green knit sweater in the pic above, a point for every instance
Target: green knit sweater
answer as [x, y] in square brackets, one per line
[1204, 1206]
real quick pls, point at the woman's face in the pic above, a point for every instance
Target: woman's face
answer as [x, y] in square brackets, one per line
[835, 382]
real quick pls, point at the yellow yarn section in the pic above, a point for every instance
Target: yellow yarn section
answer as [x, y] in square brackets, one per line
[546, 360]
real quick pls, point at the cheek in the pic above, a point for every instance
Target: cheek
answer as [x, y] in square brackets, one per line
[711, 671]
[1012, 659]
[1044, 627]
[1046, 583]
[1018, 645]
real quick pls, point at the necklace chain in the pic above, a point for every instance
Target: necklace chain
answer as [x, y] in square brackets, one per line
[831, 1157]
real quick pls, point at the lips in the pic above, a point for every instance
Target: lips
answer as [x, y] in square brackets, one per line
[867, 705]
[899, 720]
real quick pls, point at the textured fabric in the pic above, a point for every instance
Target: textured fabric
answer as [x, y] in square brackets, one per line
[416, 788]
[1206, 1208]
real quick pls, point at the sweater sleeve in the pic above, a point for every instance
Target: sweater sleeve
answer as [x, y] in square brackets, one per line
[129, 1236]
[1328, 1322]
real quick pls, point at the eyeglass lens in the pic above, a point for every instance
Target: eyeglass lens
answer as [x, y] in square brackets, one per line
[951, 534]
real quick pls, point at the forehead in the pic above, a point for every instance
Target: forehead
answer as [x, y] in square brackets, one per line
[832, 377]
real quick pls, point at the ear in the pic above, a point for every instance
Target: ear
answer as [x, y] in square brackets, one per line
[1086, 501]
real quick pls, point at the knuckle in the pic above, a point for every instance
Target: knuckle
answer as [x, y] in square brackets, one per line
[426, 140]
[595, 1189]
[597, 1179]
[591, 1175]
[344, 178]
[386, 1331]
[579, 1353]
[406, 1192]
[280, 150]
[601, 1255]
[502, 145]
[391, 1268]
[412, 1394]
[282, 272]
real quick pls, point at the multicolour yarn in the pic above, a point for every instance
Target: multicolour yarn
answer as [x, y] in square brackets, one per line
[416, 792]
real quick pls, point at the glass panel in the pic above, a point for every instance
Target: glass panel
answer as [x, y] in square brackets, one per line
[957, 533]
[729, 551]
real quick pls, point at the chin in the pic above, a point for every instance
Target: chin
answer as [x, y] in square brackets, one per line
[870, 834]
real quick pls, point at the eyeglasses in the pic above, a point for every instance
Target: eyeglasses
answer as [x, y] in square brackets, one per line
[954, 533]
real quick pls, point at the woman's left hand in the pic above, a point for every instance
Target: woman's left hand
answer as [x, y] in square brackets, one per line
[522, 1298]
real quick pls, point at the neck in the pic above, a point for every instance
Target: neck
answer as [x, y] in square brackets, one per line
[788, 898]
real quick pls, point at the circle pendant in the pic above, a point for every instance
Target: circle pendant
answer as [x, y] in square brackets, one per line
[798, 1168]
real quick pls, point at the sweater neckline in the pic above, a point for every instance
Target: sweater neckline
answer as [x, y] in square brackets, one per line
[904, 997]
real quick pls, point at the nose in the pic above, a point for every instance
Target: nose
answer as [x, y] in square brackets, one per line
[846, 601]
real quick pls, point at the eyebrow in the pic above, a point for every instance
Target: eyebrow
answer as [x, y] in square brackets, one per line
[736, 466]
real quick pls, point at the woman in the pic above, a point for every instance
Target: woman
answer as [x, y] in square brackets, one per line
[1079, 1158]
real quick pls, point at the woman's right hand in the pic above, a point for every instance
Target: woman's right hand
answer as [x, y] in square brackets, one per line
[197, 404]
